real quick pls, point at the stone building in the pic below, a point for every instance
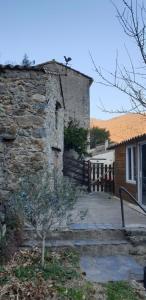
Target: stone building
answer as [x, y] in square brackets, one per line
[31, 123]
[34, 103]
[75, 89]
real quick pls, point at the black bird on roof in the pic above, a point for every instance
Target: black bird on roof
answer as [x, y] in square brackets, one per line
[67, 59]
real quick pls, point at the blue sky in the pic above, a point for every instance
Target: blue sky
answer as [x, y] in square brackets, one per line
[50, 29]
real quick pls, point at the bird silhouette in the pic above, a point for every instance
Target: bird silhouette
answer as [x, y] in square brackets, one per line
[67, 59]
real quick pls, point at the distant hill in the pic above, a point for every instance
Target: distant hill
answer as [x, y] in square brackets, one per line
[122, 127]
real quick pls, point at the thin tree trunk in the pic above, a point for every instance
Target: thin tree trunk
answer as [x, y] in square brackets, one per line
[43, 251]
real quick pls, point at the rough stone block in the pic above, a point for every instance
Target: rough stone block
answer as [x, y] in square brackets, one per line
[38, 98]
[39, 132]
[3, 88]
[29, 121]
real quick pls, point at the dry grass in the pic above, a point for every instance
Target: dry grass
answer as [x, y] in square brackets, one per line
[24, 278]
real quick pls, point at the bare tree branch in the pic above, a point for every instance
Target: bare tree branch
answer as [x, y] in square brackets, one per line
[131, 82]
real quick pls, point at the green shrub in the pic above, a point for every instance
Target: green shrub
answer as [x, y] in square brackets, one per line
[98, 136]
[75, 138]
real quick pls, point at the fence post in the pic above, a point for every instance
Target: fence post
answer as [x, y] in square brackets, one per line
[113, 178]
[97, 172]
[102, 175]
[89, 176]
[84, 170]
[93, 165]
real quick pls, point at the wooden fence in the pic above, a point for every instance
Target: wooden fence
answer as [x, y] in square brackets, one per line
[101, 177]
[97, 177]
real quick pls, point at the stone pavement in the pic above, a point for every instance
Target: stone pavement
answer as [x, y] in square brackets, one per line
[104, 209]
[109, 263]
[111, 268]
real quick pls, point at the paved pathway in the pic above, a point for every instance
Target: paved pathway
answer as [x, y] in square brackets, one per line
[111, 268]
[103, 209]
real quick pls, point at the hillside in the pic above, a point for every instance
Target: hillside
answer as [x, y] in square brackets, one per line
[122, 127]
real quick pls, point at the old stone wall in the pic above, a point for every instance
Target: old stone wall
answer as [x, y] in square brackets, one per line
[31, 125]
[75, 88]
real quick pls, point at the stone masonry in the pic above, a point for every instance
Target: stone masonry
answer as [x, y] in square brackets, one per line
[35, 102]
[75, 88]
[31, 124]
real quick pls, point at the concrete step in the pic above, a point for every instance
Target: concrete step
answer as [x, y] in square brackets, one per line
[92, 246]
[111, 268]
[80, 231]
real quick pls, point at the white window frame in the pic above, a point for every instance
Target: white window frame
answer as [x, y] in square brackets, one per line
[133, 181]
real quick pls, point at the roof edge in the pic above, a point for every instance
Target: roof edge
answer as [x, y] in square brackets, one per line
[39, 67]
[136, 138]
[61, 64]
[20, 67]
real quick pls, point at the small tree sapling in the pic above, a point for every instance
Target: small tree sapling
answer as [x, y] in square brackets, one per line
[44, 206]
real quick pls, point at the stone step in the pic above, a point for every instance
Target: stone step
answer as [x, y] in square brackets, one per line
[111, 268]
[136, 236]
[138, 240]
[80, 231]
[92, 246]
[135, 231]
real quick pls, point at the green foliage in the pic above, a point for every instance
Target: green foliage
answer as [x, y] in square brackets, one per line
[75, 138]
[72, 257]
[98, 136]
[71, 293]
[54, 268]
[56, 271]
[4, 277]
[81, 293]
[120, 291]
[25, 273]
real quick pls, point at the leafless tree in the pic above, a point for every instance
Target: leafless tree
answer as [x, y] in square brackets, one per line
[130, 81]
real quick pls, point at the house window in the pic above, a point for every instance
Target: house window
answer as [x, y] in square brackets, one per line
[131, 164]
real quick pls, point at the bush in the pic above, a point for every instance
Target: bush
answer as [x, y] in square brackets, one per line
[98, 136]
[75, 138]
